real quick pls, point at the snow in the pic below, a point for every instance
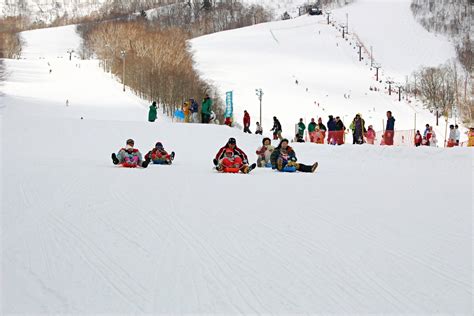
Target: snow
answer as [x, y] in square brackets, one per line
[375, 230]
[272, 56]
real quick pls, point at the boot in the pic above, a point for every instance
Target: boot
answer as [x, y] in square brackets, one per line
[304, 168]
[145, 163]
[115, 159]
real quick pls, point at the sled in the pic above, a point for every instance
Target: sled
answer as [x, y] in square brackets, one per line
[230, 170]
[129, 165]
[289, 169]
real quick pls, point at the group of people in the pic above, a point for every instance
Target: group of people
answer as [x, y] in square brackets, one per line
[131, 157]
[190, 110]
[229, 159]
[335, 130]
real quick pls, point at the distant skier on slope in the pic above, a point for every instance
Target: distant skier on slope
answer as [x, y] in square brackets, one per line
[159, 155]
[237, 162]
[129, 156]
[284, 159]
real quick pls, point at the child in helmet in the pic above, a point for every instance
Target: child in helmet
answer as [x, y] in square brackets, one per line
[264, 153]
[129, 156]
[159, 155]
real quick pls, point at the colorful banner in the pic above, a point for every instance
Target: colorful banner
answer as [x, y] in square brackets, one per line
[229, 105]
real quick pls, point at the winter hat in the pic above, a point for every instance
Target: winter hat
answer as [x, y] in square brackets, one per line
[229, 151]
[130, 142]
[159, 145]
[232, 141]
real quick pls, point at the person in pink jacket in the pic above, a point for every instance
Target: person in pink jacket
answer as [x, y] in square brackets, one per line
[370, 135]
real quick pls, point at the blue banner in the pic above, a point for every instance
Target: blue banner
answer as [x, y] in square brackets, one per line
[229, 105]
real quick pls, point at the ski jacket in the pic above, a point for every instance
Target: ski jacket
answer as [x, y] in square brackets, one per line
[206, 106]
[246, 119]
[123, 153]
[194, 107]
[152, 113]
[390, 124]
[321, 127]
[290, 155]
[452, 134]
[301, 128]
[262, 150]
[276, 126]
[418, 139]
[339, 126]
[312, 127]
[237, 152]
[156, 154]
[332, 125]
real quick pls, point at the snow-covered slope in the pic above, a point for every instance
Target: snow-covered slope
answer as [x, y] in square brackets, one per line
[375, 230]
[273, 56]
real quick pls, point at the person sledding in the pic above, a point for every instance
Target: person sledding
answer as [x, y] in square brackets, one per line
[264, 152]
[238, 161]
[129, 156]
[159, 155]
[284, 159]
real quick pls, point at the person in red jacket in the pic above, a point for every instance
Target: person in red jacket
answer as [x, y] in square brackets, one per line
[159, 155]
[418, 139]
[237, 152]
[247, 122]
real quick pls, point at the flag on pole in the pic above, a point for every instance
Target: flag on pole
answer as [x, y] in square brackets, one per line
[229, 106]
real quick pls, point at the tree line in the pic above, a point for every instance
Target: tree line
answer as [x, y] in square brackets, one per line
[158, 63]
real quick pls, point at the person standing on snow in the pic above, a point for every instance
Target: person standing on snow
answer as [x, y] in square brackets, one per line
[458, 134]
[331, 129]
[370, 135]
[276, 128]
[418, 139]
[152, 113]
[247, 122]
[259, 129]
[452, 136]
[194, 109]
[390, 129]
[284, 156]
[206, 109]
[312, 131]
[320, 132]
[264, 152]
[301, 128]
[358, 130]
[129, 156]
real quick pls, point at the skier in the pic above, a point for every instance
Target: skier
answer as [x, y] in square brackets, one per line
[276, 128]
[240, 157]
[129, 157]
[152, 112]
[259, 129]
[264, 152]
[206, 109]
[301, 128]
[284, 158]
[418, 139]
[312, 131]
[159, 155]
[247, 122]
[390, 129]
[370, 135]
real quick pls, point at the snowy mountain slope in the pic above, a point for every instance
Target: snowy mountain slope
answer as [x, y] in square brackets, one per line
[375, 230]
[273, 56]
[399, 42]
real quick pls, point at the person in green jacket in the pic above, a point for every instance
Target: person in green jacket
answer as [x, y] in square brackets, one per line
[301, 128]
[152, 112]
[206, 109]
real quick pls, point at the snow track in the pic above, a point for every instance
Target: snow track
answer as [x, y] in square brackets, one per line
[375, 230]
